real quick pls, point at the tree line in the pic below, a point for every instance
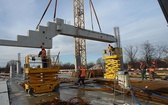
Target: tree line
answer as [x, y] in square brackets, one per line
[148, 53]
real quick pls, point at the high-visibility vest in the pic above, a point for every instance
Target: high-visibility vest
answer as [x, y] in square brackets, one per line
[151, 69]
[83, 73]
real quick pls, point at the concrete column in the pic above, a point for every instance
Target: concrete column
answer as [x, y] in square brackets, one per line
[18, 67]
[11, 71]
[24, 75]
[118, 45]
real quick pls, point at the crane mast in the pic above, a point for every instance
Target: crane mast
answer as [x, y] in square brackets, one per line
[80, 43]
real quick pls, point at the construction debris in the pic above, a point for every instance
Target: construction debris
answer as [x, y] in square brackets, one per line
[156, 90]
[71, 101]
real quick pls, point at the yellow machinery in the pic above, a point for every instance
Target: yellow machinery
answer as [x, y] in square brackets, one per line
[38, 79]
[112, 62]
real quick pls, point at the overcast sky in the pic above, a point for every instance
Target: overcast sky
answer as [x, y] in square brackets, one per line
[138, 20]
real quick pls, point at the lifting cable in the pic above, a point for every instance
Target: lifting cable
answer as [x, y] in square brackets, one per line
[91, 15]
[44, 13]
[55, 10]
[95, 15]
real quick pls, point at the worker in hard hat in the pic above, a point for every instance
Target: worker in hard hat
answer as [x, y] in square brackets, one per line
[82, 74]
[42, 54]
[110, 49]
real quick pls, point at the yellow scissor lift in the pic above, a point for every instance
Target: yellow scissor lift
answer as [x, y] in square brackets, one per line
[112, 66]
[38, 79]
[112, 63]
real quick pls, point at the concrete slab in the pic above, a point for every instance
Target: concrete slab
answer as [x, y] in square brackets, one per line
[67, 91]
[4, 98]
[3, 86]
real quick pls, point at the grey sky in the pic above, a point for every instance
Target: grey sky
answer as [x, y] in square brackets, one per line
[138, 20]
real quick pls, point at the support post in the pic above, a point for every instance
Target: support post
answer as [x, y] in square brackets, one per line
[18, 65]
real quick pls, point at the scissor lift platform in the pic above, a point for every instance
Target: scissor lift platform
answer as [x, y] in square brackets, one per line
[40, 80]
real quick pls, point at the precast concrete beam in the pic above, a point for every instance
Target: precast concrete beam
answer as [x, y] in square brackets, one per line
[45, 34]
[70, 30]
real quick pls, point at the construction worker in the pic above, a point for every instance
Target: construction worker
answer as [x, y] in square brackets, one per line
[82, 74]
[143, 68]
[110, 49]
[152, 72]
[42, 54]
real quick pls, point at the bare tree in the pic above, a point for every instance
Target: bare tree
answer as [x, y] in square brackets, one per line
[90, 64]
[160, 52]
[165, 51]
[67, 66]
[131, 52]
[100, 62]
[152, 53]
[148, 52]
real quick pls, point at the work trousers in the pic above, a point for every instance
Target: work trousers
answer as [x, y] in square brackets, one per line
[151, 75]
[44, 63]
[81, 79]
[144, 75]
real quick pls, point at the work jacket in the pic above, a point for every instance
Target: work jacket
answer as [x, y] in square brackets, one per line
[43, 54]
[151, 69]
[83, 73]
[110, 48]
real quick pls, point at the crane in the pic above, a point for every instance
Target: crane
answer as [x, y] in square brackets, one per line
[80, 43]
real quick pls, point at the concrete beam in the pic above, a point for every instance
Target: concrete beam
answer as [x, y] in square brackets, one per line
[45, 34]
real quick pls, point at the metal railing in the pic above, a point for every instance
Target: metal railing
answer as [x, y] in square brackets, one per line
[34, 61]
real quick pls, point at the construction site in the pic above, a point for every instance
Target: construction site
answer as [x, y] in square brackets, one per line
[43, 82]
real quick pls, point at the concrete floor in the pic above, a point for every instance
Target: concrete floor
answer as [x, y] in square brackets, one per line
[19, 97]
[4, 100]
